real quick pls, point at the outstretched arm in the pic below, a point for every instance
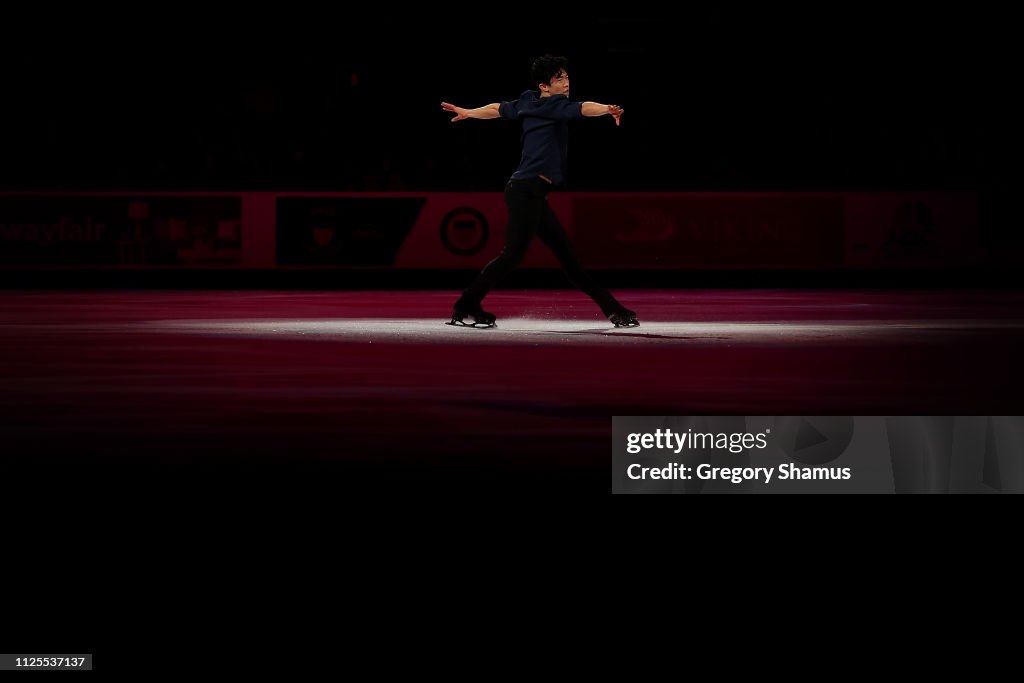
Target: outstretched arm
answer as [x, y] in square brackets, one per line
[488, 112]
[597, 109]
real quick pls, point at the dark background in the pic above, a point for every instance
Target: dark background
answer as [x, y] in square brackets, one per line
[856, 98]
[292, 97]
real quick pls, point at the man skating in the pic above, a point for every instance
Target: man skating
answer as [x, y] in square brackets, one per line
[545, 114]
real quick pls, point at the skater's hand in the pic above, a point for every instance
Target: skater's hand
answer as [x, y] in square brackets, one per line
[459, 112]
[616, 112]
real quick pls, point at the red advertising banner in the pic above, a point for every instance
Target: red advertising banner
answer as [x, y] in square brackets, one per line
[450, 230]
[467, 231]
[913, 230]
[120, 231]
[709, 231]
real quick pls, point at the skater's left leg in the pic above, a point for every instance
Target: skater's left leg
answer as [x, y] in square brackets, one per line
[554, 236]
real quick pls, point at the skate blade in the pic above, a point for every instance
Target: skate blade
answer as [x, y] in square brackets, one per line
[631, 323]
[460, 323]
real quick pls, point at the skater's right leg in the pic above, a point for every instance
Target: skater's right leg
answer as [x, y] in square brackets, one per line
[525, 201]
[554, 236]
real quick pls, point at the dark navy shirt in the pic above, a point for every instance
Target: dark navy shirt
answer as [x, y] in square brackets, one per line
[545, 133]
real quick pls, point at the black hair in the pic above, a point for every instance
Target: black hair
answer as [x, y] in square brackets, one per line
[547, 67]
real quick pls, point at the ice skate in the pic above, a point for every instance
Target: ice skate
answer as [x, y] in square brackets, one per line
[481, 318]
[624, 318]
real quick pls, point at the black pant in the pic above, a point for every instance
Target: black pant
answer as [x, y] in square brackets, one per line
[530, 214]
